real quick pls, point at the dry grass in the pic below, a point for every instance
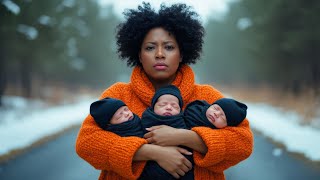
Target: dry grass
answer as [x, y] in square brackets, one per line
[306, 104]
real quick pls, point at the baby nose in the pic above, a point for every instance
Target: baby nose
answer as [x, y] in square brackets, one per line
[217, 113]
[168, 107]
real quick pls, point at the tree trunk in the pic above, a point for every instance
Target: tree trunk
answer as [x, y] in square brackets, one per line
[315, 68]
[3, 80]
[26, 71]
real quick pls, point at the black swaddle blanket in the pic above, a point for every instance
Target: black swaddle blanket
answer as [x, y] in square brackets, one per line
[152, 169]
[195, 114]
[128, 128]
[149, 118]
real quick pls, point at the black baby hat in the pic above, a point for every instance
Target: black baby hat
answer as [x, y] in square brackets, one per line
[235, 111]
[103, 110]
[170, 89]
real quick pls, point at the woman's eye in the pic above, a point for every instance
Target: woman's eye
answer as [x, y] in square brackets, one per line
[149, 48]
[169, 47]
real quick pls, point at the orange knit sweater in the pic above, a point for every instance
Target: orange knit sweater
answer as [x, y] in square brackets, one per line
[113, 154]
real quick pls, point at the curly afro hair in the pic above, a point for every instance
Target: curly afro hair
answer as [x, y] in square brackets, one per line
[177, 19]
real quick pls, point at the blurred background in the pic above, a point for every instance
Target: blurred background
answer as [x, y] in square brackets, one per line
[260, 50]
[57, 57]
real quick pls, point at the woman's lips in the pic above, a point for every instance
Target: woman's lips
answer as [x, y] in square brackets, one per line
[160, 67]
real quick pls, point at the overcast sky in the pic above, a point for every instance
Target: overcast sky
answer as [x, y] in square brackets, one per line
[205, 8]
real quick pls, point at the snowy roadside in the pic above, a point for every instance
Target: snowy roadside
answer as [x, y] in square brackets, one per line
[23, 123]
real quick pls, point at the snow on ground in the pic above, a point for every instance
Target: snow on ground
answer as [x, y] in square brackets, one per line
[24, 122]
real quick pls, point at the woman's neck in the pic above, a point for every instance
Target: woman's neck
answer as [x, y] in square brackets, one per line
[160, 83]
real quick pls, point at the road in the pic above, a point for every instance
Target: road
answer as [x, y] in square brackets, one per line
[269, 162]
[58, 160]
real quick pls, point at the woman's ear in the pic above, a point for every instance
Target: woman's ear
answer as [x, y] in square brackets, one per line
[139, 58]
[181, 59]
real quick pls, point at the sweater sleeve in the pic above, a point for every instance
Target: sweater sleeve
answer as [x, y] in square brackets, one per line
[107, 151]
[226, 147]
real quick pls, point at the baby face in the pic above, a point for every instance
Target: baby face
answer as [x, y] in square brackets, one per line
[167, 105]
[123, 114]
[216, 116]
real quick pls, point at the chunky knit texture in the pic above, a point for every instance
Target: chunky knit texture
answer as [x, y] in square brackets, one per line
[113, 154]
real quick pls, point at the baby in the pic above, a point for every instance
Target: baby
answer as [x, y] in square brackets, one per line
[114, 115]
[223, 112]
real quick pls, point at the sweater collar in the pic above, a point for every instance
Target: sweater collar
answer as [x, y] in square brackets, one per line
[142, 87]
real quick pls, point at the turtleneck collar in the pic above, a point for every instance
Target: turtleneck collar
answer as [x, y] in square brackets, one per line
[144, 90]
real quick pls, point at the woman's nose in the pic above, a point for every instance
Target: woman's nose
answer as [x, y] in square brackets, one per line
[159, 53]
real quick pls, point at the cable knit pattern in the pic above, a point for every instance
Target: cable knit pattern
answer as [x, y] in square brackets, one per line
[113, 154]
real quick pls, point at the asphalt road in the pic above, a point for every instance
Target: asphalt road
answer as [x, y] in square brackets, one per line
[58, 160]
[270, 162]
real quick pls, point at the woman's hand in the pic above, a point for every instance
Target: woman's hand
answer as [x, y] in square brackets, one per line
[172, 160]
[168, 136]
[163, 135]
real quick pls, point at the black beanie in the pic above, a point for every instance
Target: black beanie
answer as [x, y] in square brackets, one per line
[170, 89]
[235, 111]
[103, 110]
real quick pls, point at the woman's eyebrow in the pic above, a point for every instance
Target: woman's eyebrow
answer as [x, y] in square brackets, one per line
[154, 42]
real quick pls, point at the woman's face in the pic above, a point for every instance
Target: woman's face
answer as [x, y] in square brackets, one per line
[160, 55]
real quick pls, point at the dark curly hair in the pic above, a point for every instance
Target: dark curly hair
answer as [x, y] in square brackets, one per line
[177, 19]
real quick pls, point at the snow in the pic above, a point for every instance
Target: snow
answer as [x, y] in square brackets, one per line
[30, 32]
[11, 6]
[284, 127]
[45, 20]
[23, 122]
[20, 127]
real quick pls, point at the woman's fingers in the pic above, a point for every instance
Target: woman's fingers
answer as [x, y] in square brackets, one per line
[184, 151]
[175, 175]
[181, 172]
[186, 167]
[154, 128]
[149, 137]
[187, 163]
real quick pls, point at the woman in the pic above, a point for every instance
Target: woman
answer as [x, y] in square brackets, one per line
[160, 45]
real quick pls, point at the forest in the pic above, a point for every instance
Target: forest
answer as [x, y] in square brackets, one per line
[72, 43]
